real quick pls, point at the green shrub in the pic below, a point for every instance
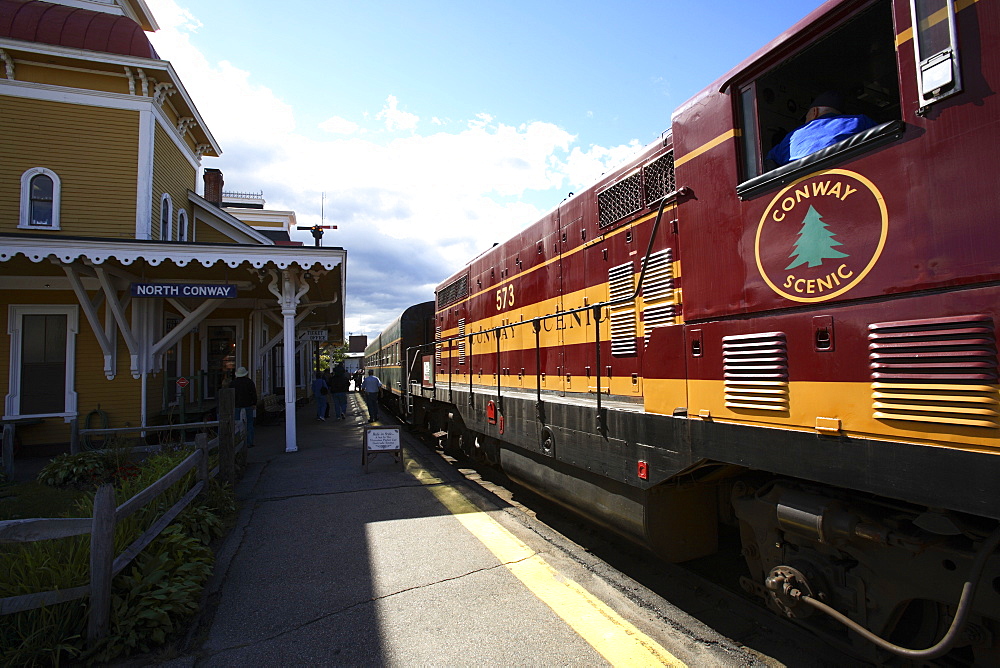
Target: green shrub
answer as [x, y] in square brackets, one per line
[221, 499]
[27, 638]
[200, 523]
[152, 598]
[45, 635]
[85, 469]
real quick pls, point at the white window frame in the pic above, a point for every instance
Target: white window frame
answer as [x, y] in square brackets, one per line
[939, 75]
[182, 225]
[165, 201]
[25, 221]
[203, 335]
[15, 315]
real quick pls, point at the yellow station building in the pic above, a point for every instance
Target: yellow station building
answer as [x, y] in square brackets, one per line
[117, 279]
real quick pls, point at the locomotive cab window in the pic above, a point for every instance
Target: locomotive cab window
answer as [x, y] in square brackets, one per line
[836, 97]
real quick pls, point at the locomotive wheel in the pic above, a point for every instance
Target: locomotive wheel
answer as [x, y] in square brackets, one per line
[453, 441]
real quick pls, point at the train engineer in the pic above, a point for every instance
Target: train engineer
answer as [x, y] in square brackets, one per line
[825, 125]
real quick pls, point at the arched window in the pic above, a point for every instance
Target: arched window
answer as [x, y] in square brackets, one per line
[166, 212]
[40, 190]
[182, 226]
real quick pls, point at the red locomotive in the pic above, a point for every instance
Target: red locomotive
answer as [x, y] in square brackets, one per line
[699, 346]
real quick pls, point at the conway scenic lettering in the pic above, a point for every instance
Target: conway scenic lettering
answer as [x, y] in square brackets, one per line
[214, 291]
[556, 322]
[819, 189]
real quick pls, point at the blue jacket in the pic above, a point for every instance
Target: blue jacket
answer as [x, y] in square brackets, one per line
[816, 134]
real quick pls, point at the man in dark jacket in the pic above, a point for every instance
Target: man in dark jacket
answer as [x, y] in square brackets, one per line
[246, 400]
[340, 385]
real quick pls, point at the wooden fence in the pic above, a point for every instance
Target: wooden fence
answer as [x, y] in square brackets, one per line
[104, 564]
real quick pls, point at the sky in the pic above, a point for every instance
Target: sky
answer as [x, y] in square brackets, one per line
[427, 130]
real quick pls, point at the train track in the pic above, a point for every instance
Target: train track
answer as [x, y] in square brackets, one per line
[707, 590]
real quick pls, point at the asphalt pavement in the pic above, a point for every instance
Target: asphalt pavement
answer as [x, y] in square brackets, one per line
[330, 565]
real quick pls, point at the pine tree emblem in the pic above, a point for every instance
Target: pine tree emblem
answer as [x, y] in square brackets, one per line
[815, 244]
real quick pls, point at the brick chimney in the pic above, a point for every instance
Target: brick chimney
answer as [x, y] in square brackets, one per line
[213, 186]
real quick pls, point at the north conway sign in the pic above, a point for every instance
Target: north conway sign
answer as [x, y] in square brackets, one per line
[205, 290]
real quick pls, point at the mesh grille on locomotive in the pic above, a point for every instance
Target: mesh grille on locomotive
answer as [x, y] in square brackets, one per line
[642, 188]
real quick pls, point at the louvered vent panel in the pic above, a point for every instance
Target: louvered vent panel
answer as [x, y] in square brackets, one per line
[623, 327]
[756, 371]
[621, 282]
[659, 176]
[461, 342]
[659, 280]
[437, 348]
[658, 316]
[938, 370]
[659, 297]
[620, 200]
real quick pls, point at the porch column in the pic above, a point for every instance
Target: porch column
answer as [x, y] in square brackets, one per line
[292, 290]
[288, 314]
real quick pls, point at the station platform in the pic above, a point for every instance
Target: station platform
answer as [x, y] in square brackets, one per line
[329, 565]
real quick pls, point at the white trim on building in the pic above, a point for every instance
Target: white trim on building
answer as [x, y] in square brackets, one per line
[25, 222]
[15, 319]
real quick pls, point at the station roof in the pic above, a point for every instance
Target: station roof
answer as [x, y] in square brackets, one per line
[255, 269]
[59, 25]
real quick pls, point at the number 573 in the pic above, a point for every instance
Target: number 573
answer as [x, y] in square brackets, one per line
[505, 297]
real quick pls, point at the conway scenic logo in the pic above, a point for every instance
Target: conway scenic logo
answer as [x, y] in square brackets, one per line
[820, 236]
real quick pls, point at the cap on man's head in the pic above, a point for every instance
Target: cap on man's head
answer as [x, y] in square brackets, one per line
[830, 98]
[242, 371]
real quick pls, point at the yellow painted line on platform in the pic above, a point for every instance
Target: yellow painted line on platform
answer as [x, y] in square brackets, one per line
[613, 637]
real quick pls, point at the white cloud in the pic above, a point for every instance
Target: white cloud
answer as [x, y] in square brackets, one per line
[411, 208]
[583, 167]
[220, 91]
[339, 126]
[395, 118]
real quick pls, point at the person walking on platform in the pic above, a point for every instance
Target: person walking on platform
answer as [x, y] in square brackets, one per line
[246, 400]
[329, 396]
[320, 391]
[340, 385]
[370, 387]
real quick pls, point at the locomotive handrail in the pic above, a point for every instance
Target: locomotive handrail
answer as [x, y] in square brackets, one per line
[536, 323]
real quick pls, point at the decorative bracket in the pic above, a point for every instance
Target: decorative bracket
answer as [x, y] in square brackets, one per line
[90, 310]
[162, 91]
[123, 325]
[184, 124]
[8, 64]
[144, 80]
[131, 81]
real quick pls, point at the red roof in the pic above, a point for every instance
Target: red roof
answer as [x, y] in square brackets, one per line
[37, 21]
